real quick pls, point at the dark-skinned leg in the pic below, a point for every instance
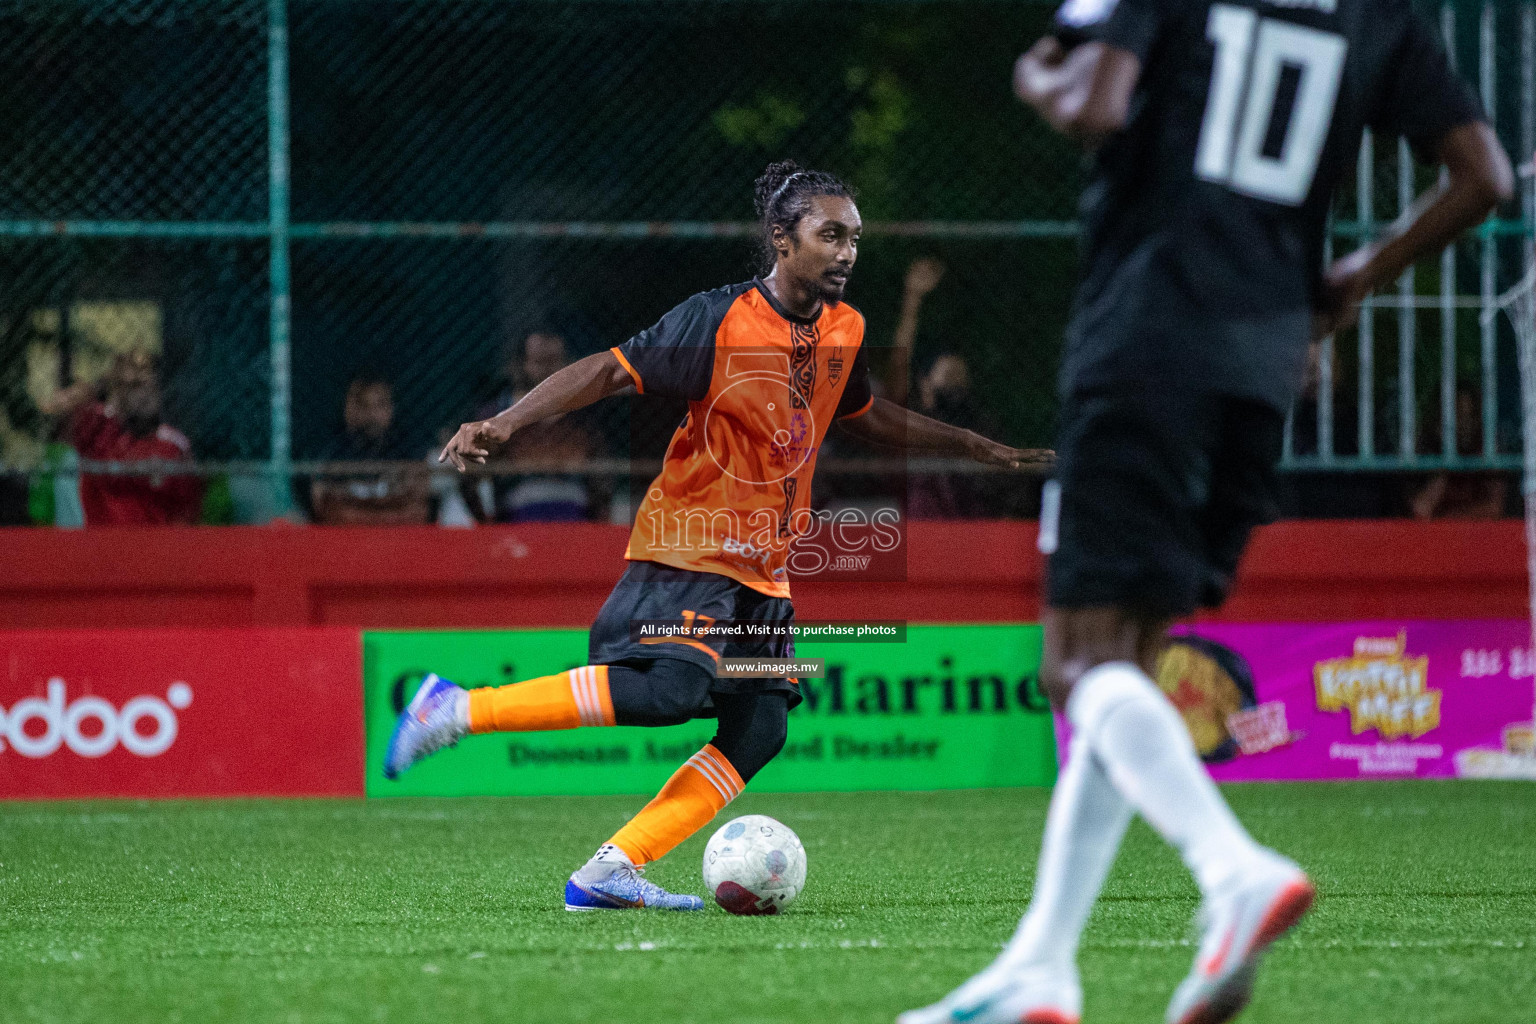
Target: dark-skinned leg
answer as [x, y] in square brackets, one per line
[752, 728]
[1126, 725]
[1078, 639]
[1101, 669]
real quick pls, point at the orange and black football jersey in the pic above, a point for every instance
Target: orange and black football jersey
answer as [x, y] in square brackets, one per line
[763, 386]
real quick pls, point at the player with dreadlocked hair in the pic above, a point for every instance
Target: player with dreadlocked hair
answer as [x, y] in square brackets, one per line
[782, 197]
[766, 366]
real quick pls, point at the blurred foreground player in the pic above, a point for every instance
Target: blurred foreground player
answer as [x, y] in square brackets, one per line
[1222, 131]
[766, 366]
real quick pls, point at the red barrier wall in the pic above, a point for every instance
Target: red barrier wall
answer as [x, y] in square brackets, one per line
[558, 575]
[181, 713]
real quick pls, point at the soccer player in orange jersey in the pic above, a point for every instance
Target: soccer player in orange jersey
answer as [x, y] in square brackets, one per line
[766, 366]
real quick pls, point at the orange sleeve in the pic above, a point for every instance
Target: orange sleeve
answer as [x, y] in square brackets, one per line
[639, 384]
[861, 410]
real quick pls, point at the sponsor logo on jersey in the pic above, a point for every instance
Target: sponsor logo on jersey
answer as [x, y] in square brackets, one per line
[745, 549]
[64, 723]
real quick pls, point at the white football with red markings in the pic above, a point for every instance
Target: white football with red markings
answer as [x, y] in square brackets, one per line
[754, 865]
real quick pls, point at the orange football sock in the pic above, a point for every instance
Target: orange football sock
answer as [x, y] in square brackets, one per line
[564, 701]
[694, 794]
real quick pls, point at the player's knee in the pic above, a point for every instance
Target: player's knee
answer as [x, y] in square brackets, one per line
[1077, 641]
[1060, 673]
[668, 692]
[673, 704]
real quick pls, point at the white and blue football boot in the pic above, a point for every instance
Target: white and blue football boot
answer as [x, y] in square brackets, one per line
[437, 717]
[1002, 994]
[610, 882]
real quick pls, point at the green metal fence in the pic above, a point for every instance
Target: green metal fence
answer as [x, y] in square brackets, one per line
[274, 193]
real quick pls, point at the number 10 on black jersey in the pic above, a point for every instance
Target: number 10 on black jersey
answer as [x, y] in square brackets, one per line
[1272, 94]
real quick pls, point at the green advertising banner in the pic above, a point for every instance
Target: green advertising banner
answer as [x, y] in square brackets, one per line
[953, 707]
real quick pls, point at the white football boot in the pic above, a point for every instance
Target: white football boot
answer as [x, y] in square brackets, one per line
[1240, 921]
[436, 717]
[1008, 995]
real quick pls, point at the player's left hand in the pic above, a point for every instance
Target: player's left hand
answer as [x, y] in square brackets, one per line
[991, 453]
[1345, 284]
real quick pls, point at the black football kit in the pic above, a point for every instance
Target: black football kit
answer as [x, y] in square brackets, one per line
[1204, 225]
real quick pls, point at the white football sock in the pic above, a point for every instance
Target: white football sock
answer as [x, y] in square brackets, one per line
[604, 862]
[1141, 741]
[1087, 820]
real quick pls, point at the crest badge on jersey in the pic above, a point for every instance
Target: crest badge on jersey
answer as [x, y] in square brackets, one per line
[835, 365]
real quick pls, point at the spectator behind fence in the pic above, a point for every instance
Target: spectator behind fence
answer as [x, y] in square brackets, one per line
[524, 498]
[943, 392]
[393, 497]
[120, 420]
[1334, 494]
[1480, 494]
[923, 276]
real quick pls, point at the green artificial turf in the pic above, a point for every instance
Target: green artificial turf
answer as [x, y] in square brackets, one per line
[450, 910]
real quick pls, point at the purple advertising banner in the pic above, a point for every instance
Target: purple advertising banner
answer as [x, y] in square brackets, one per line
[1386, 699]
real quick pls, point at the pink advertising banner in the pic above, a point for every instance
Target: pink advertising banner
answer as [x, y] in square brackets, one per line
[1384, 699]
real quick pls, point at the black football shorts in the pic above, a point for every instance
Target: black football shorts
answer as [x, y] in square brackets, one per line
[651, 592]
[1155, 494]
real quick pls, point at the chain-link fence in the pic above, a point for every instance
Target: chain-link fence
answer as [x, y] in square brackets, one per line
[274, 197]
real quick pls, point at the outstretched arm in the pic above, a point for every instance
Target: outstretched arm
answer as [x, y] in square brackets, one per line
[65, 401]
[887, 423]
[573, 387]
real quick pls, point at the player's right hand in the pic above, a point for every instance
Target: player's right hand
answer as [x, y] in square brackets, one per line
[474, 442]
[1046, 55]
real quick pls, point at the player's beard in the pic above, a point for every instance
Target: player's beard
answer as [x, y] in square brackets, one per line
[832, 289]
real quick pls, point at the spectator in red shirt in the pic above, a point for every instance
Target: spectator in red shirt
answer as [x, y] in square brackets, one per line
[124, 424]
